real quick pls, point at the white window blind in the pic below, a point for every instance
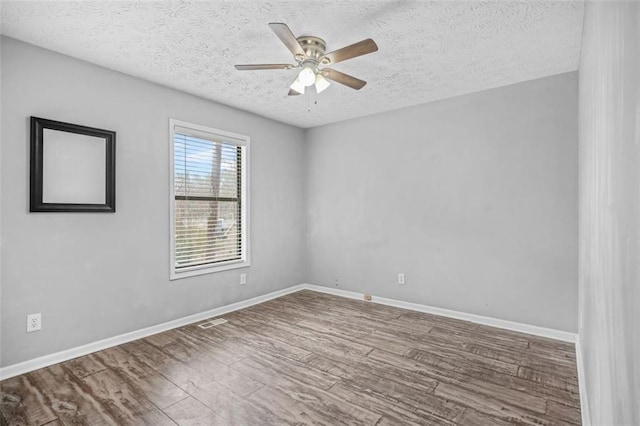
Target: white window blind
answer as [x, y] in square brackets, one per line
[209, 193]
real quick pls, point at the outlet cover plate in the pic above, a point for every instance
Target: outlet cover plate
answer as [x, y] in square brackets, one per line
[34, 322]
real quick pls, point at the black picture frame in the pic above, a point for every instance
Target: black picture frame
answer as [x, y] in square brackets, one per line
[37, 163]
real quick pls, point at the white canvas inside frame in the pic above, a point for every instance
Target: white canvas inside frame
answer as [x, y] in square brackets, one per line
[73, 168]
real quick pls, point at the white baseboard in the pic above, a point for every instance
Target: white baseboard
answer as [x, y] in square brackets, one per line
[47, 360]
[582, 386]
[550, 333]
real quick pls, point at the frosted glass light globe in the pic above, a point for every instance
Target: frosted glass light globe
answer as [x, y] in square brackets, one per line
[321, 83]
[297, 86]
[307, 76]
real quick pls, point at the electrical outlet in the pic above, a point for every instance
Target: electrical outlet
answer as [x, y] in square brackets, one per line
[243, 279]
[401, 278]
[367, 297]
[34, 322]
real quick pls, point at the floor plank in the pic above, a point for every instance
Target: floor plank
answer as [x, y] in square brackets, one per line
[564, 412]
[71, 400]
[160, 391]
[23, 402]
[309, 358]
[191, 412]
[126, 404]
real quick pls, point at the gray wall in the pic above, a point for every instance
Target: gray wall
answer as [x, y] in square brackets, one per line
[474, 198]
[610, 211]
[93, 276]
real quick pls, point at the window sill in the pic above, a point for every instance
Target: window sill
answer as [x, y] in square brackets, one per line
[203, 270]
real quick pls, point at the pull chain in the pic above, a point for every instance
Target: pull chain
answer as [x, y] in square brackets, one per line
[315, 100]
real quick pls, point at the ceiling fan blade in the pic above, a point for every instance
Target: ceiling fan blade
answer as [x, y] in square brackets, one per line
[342, 78]
[286, 36]
[354, 50]
[294, 93]
[264, 67]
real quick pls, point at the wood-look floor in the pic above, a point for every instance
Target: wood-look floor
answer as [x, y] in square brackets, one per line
[309, 358]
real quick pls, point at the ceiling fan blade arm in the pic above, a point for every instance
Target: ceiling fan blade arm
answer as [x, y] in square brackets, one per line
[342, 78]
[264, 67]
[360, 48]
[293, 93]
[286, 36]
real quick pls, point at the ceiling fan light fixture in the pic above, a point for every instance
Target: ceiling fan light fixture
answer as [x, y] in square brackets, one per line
[309, 53]
[321, 83]
[307, 76]
[297, 86]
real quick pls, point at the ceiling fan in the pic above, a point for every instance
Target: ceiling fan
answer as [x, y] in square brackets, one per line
[308, 52]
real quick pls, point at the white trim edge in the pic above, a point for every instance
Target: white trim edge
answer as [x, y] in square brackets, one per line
[55, 358]
[550, 333]
[47, 360]
[582, 386]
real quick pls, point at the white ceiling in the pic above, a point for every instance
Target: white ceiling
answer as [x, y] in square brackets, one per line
[427, 50]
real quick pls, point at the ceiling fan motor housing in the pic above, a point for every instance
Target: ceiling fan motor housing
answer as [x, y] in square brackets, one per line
[314, 48]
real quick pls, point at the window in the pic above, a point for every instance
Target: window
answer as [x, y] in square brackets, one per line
[209, 226]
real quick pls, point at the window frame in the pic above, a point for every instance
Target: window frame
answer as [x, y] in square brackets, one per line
[241, 141]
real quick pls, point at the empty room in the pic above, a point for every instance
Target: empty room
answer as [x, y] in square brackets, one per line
[320, 212]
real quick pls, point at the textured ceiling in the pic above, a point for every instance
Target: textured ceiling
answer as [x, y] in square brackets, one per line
[427, 50]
